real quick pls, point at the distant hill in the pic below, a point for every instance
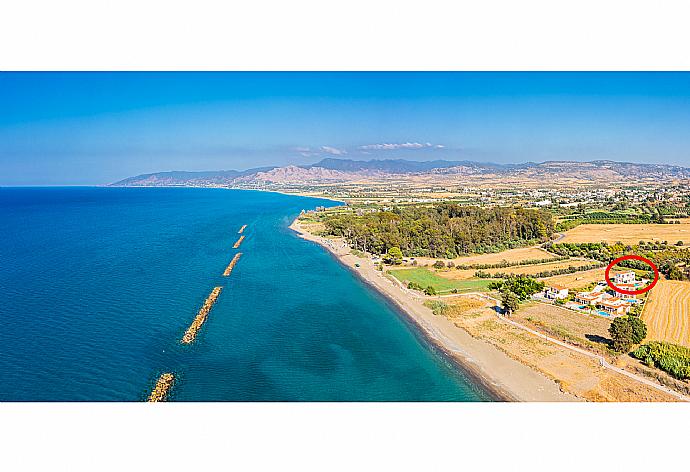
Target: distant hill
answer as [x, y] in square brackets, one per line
[186, 179]
[329, 171]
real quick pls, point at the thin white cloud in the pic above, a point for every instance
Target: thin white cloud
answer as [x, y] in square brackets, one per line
[305, 151]
[407, 145]
[332, 150]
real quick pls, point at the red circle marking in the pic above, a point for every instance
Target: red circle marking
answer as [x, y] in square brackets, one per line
[636, 258]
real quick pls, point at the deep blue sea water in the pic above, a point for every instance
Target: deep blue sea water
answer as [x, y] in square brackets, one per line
[97, 286]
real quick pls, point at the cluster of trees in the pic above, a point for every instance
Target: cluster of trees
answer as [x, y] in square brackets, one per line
[627, 331]
[515, 289]
[611, 217]
[673, 272]
[545, 273]
[503, 264]
[446, 230]
[598, 251]
[668, 357]
[394, 256]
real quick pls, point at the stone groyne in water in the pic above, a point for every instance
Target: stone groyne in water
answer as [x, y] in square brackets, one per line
[160, 391]
[200, 319]
[239, 241]
[230, 266]
[165, 381]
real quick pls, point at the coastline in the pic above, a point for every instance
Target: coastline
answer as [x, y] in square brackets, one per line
[504, 378]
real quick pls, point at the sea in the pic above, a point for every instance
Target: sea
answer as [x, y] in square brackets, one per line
[98, 285]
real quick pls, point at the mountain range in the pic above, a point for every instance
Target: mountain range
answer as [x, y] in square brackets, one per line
[333, 171]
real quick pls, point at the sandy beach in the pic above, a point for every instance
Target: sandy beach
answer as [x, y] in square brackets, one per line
[506, 378]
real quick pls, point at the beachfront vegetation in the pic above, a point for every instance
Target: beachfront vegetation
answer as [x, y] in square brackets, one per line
[424, 280]
[446, 230]
[437, 306]
[668, 357]
[626, 331]
[394, 256]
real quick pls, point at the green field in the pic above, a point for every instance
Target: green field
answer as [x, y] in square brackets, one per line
[425, 277]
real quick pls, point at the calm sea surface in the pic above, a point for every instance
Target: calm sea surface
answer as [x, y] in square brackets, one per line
[97, 286]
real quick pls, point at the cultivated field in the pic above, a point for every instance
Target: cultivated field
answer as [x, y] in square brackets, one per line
[455, 274]
[512, 255]
[577, 280]
[668, 312]
[628, 234]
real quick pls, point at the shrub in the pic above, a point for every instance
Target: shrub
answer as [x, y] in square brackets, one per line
[668, 357]
[437, 306]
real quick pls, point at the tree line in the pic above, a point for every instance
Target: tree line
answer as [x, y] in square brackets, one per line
[543, 274]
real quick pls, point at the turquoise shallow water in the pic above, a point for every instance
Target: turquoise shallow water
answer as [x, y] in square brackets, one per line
[97, 286]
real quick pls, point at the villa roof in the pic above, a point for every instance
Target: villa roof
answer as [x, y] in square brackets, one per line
[557, 287]
[588, 295]
[615, 303]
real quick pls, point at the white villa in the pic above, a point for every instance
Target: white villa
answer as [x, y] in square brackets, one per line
[624, 278]
[615, 306]
[556, 292]
[589, 298]
[625, 296]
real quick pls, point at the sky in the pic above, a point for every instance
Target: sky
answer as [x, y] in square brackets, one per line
[97, 128]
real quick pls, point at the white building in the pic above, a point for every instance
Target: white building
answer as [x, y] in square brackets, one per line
[556, 292]
[624, 278]
[615, 307]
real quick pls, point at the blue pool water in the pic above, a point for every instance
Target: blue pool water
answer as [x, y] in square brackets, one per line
[98, 285]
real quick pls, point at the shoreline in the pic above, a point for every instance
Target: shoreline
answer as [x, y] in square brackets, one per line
[502, 377]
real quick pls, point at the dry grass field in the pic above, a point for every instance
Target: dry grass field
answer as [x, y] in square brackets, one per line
[668, 312]
[576, 374]
[628, 234]
[512, 255]
[589, 331]
[577, 280]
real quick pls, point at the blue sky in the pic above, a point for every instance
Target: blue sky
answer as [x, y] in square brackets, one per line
[96, 128]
